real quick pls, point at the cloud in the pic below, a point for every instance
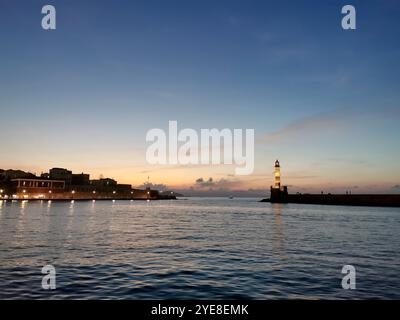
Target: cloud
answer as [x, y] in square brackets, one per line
[153, 186]
[301, 177]
[205, 183]
[221, 184]
[177, 167]
[311, 125]
[329, 122]
[346, 160]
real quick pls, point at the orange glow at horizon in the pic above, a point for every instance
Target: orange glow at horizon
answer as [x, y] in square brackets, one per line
[297, 176]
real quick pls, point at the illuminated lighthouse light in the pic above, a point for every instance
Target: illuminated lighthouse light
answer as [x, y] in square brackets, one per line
[277, 184]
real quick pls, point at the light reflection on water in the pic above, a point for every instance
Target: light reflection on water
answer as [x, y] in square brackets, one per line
[197, 248]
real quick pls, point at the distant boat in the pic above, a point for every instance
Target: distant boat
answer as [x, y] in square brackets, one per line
[230, 197]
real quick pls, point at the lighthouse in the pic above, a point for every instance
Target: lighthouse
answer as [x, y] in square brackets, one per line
[279, 193]
[277, 183]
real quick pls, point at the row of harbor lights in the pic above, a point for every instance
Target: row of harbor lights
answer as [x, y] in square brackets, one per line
[114, 192]
[73, 192]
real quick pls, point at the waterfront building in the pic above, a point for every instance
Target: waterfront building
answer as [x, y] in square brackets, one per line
[71, 179]
[36, 187]
[103, 182]
[80, 179]
[125, 187]
[16, 184]
[45, 175]
[61, 174]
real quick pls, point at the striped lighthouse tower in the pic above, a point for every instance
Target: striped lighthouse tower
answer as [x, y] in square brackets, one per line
[277, 183]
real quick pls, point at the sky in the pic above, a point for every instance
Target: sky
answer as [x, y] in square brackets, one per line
[322, 100]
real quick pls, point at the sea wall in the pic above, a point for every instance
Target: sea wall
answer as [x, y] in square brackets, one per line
[374, 200]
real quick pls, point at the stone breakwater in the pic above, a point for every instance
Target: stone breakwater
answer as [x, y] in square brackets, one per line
[372, 200]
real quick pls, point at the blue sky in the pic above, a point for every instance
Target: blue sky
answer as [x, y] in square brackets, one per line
[323, 100]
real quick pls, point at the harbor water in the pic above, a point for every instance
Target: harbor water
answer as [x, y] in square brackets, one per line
[197, 248]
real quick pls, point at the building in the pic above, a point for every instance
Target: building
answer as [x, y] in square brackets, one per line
[110, 185]
[61, 174]
[149, 194]
[71, 179]
[45, 175]
[80, 179]
[106, 182]
[36, 188]
[124, 187]
[61, 184]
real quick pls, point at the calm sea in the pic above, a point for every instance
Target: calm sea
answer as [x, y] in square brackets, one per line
[206, 248]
